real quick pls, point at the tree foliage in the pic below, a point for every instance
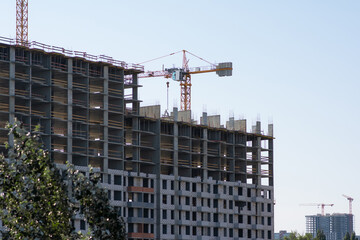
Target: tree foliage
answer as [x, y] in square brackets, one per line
[353, 236]
[347, 236]
[297, 236]
[34, 200]
[101, 217]
[34, 203]
[320, 235]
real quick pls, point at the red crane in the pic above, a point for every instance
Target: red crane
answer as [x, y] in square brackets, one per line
[322, 205]
[350, 203]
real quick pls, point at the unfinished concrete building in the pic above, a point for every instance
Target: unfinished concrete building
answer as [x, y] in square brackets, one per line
[169, 178]
[334, 226]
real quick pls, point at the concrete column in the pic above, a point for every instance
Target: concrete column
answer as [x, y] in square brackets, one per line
[271, 130]
[12, 86]
[106, 119]
[12, 92]
[243, 125]
[158, 198]
[136, 142]
[69, 110]
[135, 104]
[30, 98]
[231, 123]
[205, 148]
[271, 164]
[176, 170]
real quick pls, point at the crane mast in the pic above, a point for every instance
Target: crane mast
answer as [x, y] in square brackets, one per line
[185, 86]
[350, 199]
[22, 22]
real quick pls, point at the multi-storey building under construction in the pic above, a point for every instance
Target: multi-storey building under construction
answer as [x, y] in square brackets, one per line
[169, 178]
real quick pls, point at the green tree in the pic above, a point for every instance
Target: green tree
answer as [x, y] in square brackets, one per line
[347, 236]
[297, 236]
[353, 236]
[320, 235]
[292, 236]
[101, 216]
[307, 236]
[34, 203]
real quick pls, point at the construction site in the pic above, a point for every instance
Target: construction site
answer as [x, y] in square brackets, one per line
[334, 226]
[169, 176]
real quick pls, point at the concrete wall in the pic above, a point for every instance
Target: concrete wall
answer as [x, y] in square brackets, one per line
[150, 111]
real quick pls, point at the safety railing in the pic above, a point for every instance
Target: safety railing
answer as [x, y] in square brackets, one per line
[4, 107]
[167, 161]
[79, 102]
[21, 76]
[164, 145]
[96, 89]
[79, 117]
[4, 73]
[115, 108]
[114, 138]
[59, 82]
[115, 92]
[59, 99]
[59, 115]
[114, 154]
[213, 166]
[114, 76]
[95, 121]
[80, 86]
[59, 147]
[40, 96]
[183, 162]
[38, 113]
[70, 53]
[146, 143]
[115, 124]
[4, 90]
[79, 133]
[59, 131]
[79, 150]
[59, 66]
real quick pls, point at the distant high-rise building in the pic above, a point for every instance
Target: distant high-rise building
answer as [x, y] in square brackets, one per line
[334, 226]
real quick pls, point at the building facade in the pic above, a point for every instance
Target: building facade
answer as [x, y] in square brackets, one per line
[169, 178]
[334, 226]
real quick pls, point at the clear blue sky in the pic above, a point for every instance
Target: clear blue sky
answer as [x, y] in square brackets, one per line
[295, 63]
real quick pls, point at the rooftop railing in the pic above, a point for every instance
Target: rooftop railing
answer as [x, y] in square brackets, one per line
[69, 53]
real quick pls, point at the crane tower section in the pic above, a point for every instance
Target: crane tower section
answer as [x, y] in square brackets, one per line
[21, 22]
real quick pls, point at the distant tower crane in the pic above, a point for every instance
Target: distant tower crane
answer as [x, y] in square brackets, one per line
[183, 75]
[350, 203]
[322, 205]
[22, 22]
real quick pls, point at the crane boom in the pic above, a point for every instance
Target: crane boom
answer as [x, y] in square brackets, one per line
[183, 75]
[22, 22]
[322, 205]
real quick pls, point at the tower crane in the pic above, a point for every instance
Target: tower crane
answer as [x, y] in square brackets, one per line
[22, 22]
[322, 205]
[183, 75]
[350, 203]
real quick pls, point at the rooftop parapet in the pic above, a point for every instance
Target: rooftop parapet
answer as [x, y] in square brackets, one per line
[212, 121]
